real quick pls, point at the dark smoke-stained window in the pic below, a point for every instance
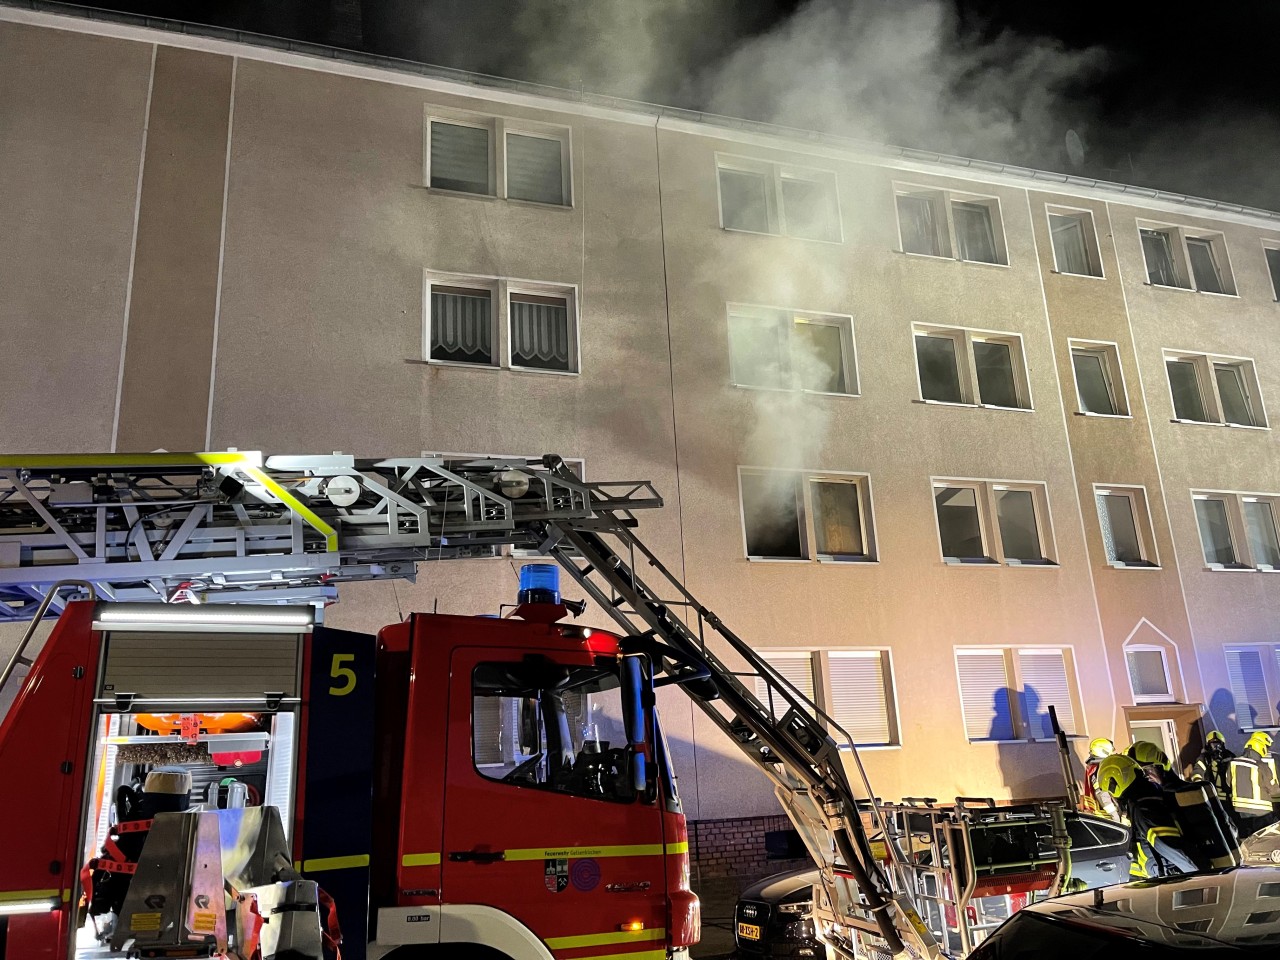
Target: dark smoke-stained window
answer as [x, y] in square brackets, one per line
[1157, 249]
[744, 200]
[959, 526]
[1184, 381]
[1215, 531]
[1204, 265]
[794, 515]
[993, 363]
[541, 334]
[462, 325]
[535, 169]
[1273, 267]
[939, 372]
[971, 367]
[459, 158]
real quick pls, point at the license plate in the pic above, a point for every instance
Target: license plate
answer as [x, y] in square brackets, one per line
[749, 931]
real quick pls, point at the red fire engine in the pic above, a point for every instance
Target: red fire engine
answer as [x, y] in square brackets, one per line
[452, 783]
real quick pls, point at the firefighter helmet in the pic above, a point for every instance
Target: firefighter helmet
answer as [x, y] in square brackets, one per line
[1215, 736]
[1260, 742]
[1117, 773]
[1101, 747]
[1147, 754]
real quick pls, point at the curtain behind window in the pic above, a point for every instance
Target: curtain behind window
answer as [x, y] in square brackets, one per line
[973, 232]
[540, 332]
[461, 325]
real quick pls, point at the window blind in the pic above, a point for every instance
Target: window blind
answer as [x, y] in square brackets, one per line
[984, 695]
[859, 696]
[535, 169]
[1244, 674]
[459, 157]
[486, 729]
[1045, 682]
[797, 669]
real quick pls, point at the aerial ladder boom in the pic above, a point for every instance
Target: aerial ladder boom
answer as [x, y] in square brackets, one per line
[237, 527]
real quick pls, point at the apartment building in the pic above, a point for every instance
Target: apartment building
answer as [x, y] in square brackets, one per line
[951, 442]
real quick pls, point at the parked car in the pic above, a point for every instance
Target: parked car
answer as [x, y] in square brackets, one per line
[1263, 847]
[1229, 915]
[772, 918]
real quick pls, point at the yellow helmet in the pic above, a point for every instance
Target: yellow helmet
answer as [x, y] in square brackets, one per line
[1260, 741]
[1147, 754]
[1101, 747]
[1117, 773]
[1214, 736]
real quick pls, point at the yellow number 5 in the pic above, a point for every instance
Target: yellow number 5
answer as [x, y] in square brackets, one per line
[338, 671]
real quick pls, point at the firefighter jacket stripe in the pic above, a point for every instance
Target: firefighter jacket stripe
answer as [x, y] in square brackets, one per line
[604, 939]
[420, 859]
[1246, 788]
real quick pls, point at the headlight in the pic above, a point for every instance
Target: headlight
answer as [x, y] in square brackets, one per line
[804, 906]
[798, 930]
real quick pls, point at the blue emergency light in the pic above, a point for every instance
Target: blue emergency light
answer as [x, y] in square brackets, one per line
[539, 583]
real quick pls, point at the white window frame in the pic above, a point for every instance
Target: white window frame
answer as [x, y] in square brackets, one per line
[885, 655]
[1020, 723]
[1239, 528]
[790, 317]
[1140, 508]
[498, 128]
[1171, 696]
[500, 290]
[774, 173]
[1178, 235]
[943, 200]
[1112, 372]
[1093, 252]
[1205, 366]
[967, 367]
[805, 513]
[1269, 244]
[989, 521]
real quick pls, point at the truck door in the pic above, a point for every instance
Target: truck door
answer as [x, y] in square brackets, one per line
[541, 820]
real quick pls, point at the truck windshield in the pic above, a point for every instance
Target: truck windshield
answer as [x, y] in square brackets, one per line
[536, 723]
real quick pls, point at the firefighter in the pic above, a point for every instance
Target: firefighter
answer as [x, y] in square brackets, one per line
[1253, 785]
[1155, 841]
[1155, 764]
[1213, 765]
[1098, 800]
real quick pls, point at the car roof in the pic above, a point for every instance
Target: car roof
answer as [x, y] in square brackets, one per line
[1237, 906]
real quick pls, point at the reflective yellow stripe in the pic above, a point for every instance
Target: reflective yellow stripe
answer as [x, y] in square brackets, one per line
[564, 853]
[49, 461]
[335, 863]
[638, 955]
[681, 847]
[1162, 832]
[420, 859]
[29, 895]
[296, 505]
[601, 939]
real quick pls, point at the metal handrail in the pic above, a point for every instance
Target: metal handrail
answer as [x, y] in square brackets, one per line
[18, 657]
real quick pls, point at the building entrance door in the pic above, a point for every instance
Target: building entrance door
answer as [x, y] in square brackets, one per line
[1163, 733]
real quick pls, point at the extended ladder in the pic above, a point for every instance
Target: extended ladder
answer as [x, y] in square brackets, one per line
[237, 527]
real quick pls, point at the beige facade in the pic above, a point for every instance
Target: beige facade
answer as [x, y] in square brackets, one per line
[212, 245]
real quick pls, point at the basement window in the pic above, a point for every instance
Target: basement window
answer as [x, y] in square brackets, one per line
[797, 515]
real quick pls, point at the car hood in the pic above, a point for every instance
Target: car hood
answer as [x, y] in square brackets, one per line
[781, 886]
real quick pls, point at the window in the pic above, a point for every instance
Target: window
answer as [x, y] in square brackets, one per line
[782, 350]
[1272, 253]
[1208, 389]
[860, 691]
[796, 668]
[1126, 526]
[496, 157]
[935, 222]
[1075, 242]
[522, 713]
[793, 515]
[1019, 534]
[1238, 530]
[1186, 257]
[1005, 693]
[1249, 687]
[762, 197]
[1099, 383]
[1148, 674]
[971, 367]
[493, 322]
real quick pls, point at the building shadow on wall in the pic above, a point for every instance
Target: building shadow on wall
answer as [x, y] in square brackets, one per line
[1027, 751]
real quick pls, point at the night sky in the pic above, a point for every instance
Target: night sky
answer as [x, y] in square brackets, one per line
[1177, 96]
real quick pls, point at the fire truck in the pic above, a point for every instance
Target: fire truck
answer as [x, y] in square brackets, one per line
[229, 776]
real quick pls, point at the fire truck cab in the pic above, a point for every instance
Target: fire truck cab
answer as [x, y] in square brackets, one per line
[467, 781]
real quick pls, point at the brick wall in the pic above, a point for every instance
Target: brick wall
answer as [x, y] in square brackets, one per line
[731, 853]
